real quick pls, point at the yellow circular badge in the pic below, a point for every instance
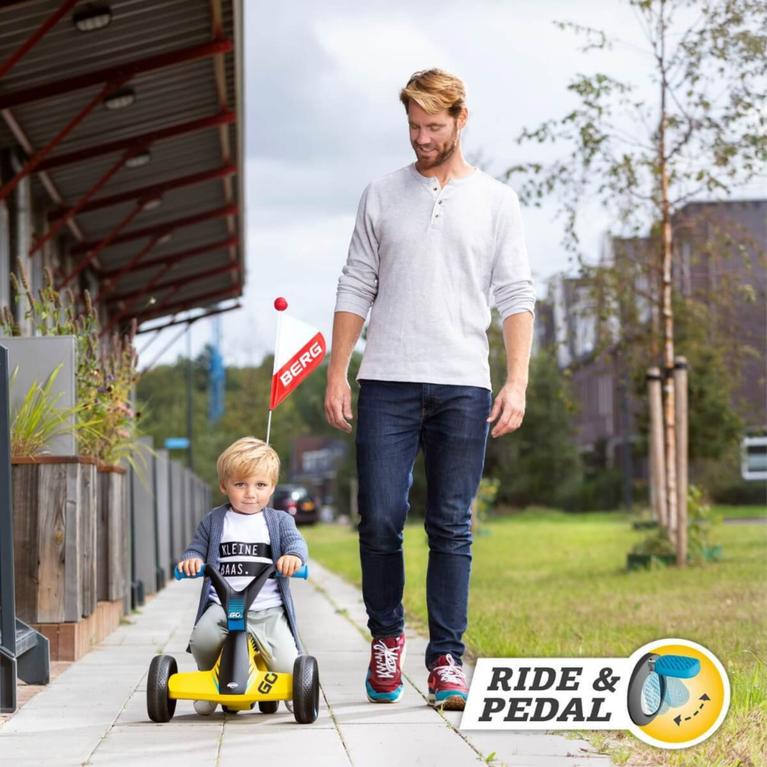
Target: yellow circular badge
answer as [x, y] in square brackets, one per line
[678, 693]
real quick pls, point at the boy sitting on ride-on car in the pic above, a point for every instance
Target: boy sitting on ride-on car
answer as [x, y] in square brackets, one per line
[238, 538]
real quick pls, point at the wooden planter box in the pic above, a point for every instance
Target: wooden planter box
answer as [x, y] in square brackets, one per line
[54, 537]
[113, 534]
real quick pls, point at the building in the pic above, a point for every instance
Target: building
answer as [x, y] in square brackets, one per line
[721, 250]
[120, 157]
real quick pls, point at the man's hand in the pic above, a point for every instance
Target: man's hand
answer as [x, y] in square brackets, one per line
[508, 410]
[338, 402]
[287, 564]
[191, 566]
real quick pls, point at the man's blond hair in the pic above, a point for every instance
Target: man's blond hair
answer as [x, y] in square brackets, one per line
[245, 457]
[434, 90]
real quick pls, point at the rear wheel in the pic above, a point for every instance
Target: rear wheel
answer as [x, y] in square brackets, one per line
[159, 705]
[306, 689]
[268, 706]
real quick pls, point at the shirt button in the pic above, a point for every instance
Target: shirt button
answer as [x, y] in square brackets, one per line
[440, 202]
[435, 189]
[437, 216]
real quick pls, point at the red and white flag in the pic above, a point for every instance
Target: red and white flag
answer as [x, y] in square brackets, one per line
[299, 350]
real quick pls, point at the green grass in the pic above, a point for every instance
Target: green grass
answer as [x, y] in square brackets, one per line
[545, 583]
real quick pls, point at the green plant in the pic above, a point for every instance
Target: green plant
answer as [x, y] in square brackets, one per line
[656, 544]
[487, 492]
[699, 521]
[38, 419]
[106, 373]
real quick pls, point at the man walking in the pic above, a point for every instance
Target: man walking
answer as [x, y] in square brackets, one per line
[431, 242]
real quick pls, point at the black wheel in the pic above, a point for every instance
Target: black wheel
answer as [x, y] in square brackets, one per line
[646, 691]
[268, 706]
[232, 711]
[306, 689]
[159, 705]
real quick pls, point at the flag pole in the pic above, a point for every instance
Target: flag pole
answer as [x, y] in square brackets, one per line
[280, 304]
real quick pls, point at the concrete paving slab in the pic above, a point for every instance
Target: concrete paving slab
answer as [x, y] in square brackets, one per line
[308, 746]
[157, 745]
[63, 748]
[430, 745]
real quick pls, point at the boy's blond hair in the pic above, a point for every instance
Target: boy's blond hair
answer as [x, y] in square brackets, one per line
[434, 90]
[246, 457]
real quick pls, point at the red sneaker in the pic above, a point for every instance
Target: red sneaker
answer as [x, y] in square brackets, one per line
[447, 684]
[383, 682]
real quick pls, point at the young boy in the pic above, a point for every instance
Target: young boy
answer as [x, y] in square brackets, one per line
[236, 538]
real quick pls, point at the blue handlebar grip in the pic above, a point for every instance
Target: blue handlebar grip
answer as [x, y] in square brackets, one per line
[178, 575]
[302, 572]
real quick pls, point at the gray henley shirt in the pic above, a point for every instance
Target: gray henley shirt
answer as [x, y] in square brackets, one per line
[426, 259]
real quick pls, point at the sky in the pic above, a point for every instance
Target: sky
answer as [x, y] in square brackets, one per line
[323, 119]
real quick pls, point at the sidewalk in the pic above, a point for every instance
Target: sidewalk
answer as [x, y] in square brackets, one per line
[94, 713]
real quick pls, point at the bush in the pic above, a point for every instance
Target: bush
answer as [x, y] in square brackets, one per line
[601, 492]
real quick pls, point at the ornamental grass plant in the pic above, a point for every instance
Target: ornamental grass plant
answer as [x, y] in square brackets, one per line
[37, 419]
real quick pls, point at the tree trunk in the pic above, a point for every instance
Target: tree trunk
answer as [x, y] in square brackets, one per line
[680, 390]
[667, 312]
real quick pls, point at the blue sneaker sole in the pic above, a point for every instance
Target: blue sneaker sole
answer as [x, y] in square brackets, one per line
[450, 700]
[383, 697]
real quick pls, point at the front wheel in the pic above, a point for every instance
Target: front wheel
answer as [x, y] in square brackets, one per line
[268, 706]
[306, 689]
[159, 705]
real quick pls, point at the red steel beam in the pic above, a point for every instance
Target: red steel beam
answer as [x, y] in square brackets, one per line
[147, 192]
[96, 247]
[175, 281]
[35, 37]
[173, 258]
[107, 286]
[189, 303]
[143, 291]
[34, 161]
[222, 118]
[122, 72]
[162, 228]
[80, 204]
[190, 320]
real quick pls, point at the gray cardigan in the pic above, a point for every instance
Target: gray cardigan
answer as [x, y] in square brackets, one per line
[284, 539]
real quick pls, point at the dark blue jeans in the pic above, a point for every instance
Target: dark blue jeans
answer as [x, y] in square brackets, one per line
[449, 424]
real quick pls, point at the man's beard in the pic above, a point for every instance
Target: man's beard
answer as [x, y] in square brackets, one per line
[444, 153]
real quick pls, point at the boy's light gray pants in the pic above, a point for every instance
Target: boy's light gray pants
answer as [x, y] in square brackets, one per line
[268, 627]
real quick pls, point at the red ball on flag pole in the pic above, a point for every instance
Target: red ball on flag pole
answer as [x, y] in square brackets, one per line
[280, 304]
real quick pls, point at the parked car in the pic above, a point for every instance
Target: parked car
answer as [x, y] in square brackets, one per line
[296, 500]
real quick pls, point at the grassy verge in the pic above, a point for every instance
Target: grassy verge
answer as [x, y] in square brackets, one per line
[549, 583]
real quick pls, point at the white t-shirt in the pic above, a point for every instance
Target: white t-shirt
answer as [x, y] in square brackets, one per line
[244, 546]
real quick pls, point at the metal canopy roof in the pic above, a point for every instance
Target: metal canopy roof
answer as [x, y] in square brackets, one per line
[162, 236]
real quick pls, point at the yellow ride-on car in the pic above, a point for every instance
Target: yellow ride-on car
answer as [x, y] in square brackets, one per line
[240, 678]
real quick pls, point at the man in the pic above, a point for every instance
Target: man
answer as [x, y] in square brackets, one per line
[431, 241]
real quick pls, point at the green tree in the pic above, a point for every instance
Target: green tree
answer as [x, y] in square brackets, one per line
[643, 162]
[539, 463]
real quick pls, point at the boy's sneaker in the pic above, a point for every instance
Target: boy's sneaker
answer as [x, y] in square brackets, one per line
[447, 684]
[204, 707]
[383, 682]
